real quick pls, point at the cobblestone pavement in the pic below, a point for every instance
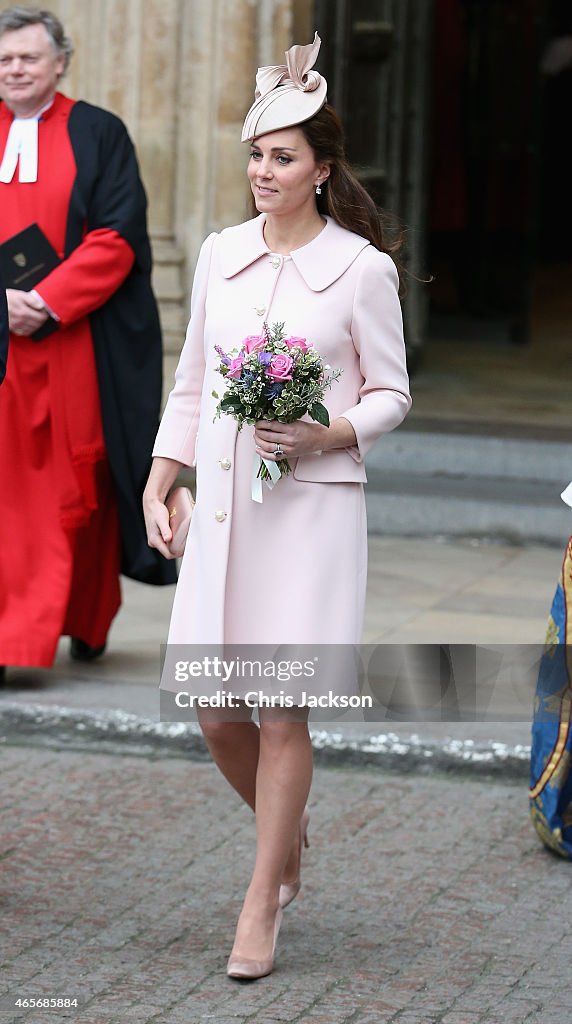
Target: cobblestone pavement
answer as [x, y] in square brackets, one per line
[424, 900]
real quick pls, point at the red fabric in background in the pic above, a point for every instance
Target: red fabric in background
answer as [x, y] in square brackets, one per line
[59, 552]
[95, 557]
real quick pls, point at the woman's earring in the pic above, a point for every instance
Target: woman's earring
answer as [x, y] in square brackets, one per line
[318, 189]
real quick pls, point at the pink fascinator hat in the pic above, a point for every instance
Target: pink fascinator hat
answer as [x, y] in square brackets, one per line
[286, 94]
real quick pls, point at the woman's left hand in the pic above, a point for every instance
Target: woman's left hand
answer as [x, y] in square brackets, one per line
[299, 438]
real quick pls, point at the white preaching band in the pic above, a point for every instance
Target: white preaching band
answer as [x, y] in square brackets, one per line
[22, 145]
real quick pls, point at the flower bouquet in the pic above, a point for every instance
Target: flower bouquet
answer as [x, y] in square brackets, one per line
[273, 377]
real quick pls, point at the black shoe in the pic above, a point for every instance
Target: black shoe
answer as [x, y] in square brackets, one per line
[80, 651]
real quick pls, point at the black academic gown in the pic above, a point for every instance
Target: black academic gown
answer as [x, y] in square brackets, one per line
[108, 193]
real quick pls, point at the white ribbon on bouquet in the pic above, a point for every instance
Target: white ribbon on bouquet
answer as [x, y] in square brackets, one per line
[257, 481]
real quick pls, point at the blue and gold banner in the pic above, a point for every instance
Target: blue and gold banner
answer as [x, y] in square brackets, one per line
[551, 776]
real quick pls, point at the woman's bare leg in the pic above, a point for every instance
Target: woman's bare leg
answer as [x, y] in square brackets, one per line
[234, 743]
[283, 782]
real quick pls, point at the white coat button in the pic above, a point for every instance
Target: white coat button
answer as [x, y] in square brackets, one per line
[220, 516]
[276, 261]
[225, 463]
[260, 310]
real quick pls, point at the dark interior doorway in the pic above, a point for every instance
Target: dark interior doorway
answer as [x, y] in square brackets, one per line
[500, 201]
[457, 116]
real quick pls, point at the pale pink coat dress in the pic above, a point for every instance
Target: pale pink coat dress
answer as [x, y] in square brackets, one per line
[291, 570]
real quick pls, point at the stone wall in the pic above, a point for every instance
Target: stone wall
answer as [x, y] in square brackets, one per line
[180, 73]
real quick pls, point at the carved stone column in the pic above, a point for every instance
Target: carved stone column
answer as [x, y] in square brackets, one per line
[222, 45]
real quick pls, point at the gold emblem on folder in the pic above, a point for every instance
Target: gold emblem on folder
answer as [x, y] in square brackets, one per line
[20, 259]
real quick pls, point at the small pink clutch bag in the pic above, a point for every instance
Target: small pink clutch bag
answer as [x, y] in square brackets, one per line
[180, 505]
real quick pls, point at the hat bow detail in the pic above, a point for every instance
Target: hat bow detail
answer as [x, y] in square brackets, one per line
[297, 71]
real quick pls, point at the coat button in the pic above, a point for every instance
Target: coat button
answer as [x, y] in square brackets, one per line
[225, 463]
[260, 310]
[220, 516]
[276, 261]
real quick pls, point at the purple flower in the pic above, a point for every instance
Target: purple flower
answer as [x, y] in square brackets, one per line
[223, 356]
[264, 358]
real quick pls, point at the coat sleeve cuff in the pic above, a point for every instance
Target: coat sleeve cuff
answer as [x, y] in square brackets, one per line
[378, 413]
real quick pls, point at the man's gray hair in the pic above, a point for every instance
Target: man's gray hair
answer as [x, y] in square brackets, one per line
[14, 18]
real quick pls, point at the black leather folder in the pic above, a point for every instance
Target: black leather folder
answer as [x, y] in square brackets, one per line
[25, 259]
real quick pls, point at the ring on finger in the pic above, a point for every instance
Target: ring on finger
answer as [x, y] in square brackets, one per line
[278, 451]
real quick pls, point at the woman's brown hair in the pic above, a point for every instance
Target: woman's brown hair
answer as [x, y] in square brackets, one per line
[343, 197]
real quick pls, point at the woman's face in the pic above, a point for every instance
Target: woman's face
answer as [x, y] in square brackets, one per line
[283, 172]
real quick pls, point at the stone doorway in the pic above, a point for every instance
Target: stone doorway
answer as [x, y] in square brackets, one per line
[455, 113]
[375, 55]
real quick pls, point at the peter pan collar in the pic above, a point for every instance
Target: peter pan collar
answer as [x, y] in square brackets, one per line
[321, 262]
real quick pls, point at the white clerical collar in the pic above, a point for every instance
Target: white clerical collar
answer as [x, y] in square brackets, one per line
[22, 145]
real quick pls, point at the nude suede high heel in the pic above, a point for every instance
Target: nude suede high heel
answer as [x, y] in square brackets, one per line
[289, 890]
[249, 970]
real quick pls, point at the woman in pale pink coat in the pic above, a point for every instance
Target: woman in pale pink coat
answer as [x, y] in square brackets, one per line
[292, 569]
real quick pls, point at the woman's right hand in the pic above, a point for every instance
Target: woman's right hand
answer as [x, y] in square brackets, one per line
[161, 478]
[159, 532]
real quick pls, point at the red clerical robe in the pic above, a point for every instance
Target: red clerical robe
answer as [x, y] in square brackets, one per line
[59, 549]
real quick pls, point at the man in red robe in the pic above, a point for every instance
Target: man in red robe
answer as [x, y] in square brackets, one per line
[78, 408]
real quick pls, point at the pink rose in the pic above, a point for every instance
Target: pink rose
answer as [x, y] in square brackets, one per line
[253, 343]
[297, 343]
[235, 367]
[279, 368]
